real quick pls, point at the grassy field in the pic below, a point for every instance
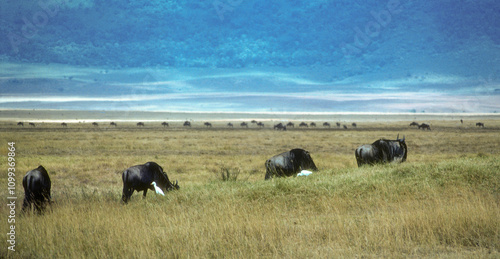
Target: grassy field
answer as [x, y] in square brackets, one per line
[443, 202]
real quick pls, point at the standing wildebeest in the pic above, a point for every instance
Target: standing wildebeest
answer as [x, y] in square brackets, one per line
[414, 124]
[95, 124]
[140, 124]
[424, 126]
[345, 127]
[112, 124]
[230, 125]
[338, 124]
[164, 124]
[289, 163]
[382, 151]
[326, 124]
[187, 124]
[140, 178]
[303, 124]
[36, 185]
[279, 126]
[20, 124]
[244, 124]
[354, 124]
[480, 124]
[64, 124]
[208, 124]
[260, 124]
[290, 124]
[313, 124]
[32, 124]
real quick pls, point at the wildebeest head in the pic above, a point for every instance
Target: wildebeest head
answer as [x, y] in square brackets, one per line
[303, 159]
[161, 178]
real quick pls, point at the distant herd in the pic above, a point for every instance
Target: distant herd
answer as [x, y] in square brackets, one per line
[150, 176]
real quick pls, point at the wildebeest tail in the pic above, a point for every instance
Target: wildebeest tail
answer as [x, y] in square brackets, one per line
[269, 169]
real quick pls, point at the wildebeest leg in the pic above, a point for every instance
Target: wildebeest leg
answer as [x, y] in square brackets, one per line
[127, 192]
[144, 194]
[27, 202]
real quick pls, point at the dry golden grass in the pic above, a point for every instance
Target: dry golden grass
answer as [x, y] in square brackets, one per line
[443, 202]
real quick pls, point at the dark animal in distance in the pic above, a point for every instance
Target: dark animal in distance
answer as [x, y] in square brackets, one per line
[480, 124]
[382, 151]
[338, 124]
[37, 186]
[164, 124]
[32, 124]
[208, 124]
[140, 124]
[354, 124]
[230, 125]
[260, 124]
[461, 121]
[244, 124]
[279, 126]
[187, 124]
[424, 126]
[289, 163]
[290, 124]
[64, 124]
[326, 124]
[20, 124]
[313, 124]
[112, 124]
[95, 124]
[303, 124]
[140, 178]
[345, 127]
[414, 124]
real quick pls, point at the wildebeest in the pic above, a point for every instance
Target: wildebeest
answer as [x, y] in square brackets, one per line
[303, 124]
[95, 124]
[424, 126]
[244, 124]
[338, 124]
[112, 124]
[279, 126]
[260, 124]
[32, 124]
[354, 124]
[64, 124]
[480, 124]
[187, 124]
[140, 124]
[345, 127]
[414, 124]
[164, 124]
[382, 151]
[326, 124]
[20, 124]
[208, 124]
[289, 163]
[290, 124]
[313, 124]
[230, 125]
[36, 185]
[140, 178]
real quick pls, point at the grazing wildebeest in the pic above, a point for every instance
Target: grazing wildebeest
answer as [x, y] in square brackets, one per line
[303, 124]
[461, 121]
[253, 121]
[20, 124]
[382, 151]
[208, 124]
[230, 125]
[140, 124]
[414, 124]
[289, 163]
[164, 124]
[480, 124]
[112, 124]
[424, 126]
[326, 124]
[140, 178]
[95, 124]
[244, 124]
[313, 124]
[32, 124]
[354, 124]
[36, 185]
[260, 124]
[290, 124]
[187, 124]
[338, 124]
[64, 124]
[279, 126]
[345, 127]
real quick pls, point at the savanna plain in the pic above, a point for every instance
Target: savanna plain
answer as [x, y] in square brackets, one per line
[443, 202]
